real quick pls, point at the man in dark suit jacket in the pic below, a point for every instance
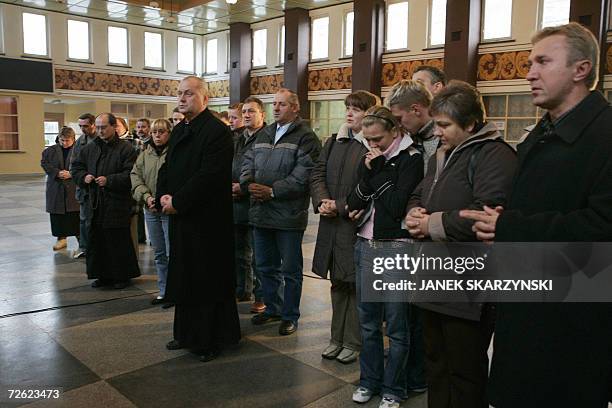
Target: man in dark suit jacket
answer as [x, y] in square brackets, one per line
[194, 187]
[557, 354]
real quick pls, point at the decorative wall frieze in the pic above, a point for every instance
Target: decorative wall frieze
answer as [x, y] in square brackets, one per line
[330, 79]
[393, 72]
[503, 66]
[267, 84]
[609, 58]
[67, 79]
[218, 89]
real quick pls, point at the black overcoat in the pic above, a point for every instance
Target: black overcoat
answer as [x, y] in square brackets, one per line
[558, 354]
[198, 175]
[60, 194]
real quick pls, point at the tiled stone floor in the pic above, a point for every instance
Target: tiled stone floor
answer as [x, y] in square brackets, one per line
[109, 351]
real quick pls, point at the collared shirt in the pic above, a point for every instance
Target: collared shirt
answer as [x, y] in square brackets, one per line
[280, 131]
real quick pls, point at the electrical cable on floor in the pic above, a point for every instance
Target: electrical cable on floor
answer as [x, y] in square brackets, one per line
[73, 305]
[103, 301]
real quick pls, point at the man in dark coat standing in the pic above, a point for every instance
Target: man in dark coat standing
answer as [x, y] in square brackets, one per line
[194, 188]
[102, 168]
[557, 354]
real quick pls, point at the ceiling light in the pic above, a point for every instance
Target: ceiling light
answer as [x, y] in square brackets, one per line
[231, 1]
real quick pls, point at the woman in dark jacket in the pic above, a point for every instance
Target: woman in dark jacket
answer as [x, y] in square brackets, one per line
[62, 205]
[333, 178]
[472, 168]
[391, 170]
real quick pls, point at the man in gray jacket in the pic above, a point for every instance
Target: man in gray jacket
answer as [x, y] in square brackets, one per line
[276, 175]
[88, 129]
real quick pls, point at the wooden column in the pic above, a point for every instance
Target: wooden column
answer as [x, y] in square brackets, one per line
[462, 39]
[297, 56]
[241, 56]
[593, 14]
[368, 45]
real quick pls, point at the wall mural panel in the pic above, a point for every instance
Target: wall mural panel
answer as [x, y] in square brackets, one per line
[393, 72]
[218, 89]
[267, 84]
[505, 65]
[124, 84]
[609, 59]
[330, 79]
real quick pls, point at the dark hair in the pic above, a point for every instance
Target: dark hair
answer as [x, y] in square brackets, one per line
[461, 102]
[112, 119]
[363, 100]
[145, 120]
[382, 116]
[88, 116]
[437, 75]
[65, 132]
[257, 101]
[175, 110]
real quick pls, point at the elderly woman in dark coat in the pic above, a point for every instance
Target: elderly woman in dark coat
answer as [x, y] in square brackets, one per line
[334, 177]
[62, 205]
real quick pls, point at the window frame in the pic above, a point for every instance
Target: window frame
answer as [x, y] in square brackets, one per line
[144, 49]
[281, 44]
[386, 48]
[206, 71]
[193, 50]
[2, 30]
[18, 117]
[265, 64]
[430, 26]
[47, 48]
[482, 25]
[541, 13]
[128, 47]
[312, 20]
[89, 41]
[345, 33]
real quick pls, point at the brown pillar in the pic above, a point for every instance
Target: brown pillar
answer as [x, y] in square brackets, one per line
[462, 39]
[368, 44]
[241, 55]
[297, 56]
[593, 14]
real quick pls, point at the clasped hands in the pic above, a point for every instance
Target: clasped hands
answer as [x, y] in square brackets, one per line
[100, 180]
[260, 192]
[64, 175]
[371, 155]
[166, 203]
[327, 208]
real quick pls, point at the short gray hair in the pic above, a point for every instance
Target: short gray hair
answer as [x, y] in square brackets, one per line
[293, 97]
[202, 86]
[406, 93]
[581, 44]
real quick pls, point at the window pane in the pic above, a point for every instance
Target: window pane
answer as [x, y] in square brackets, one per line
[497, 19]
[397, 26]
[153, 50]
[34, 34]
[78, 39]
[320, 38]
[260, 39]
[555, 12]
[52, 127]
[348, 34]
[186, 59]
[211, 56]
[282, 45]
[117, 45]
[438, 22]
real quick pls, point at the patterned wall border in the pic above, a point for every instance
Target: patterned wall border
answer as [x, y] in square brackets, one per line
[330, 79]
[218, 89]
[609, 59]
[123, 84]
[266, 84]
[393, 72]
[501, 66]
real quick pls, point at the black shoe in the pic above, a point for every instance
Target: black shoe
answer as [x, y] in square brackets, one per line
[167, 305]
[121, 285]
[263, 318]
[100, 283]
[174, 345]
[287, 327]
[157, 301]
[209, 355]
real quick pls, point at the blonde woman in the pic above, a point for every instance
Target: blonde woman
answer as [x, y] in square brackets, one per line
[144, 182]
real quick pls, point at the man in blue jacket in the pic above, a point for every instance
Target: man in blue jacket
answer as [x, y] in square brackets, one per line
[276, 175]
